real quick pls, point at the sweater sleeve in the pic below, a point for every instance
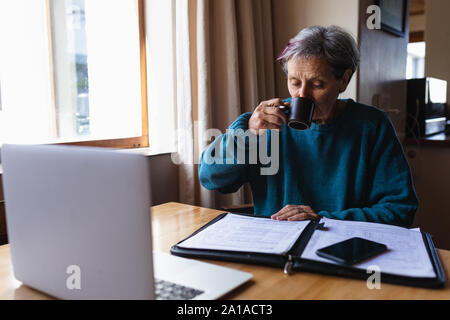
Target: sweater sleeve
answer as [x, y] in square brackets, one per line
[391, 196]
[226, 164]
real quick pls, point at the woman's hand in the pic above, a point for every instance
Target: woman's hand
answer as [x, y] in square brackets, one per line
[267, 116]
[295, 213]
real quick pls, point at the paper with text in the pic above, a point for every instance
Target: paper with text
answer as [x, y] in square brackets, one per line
[247, 234]
[406, 255]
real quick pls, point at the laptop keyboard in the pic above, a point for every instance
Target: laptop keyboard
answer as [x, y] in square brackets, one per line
[166, 290]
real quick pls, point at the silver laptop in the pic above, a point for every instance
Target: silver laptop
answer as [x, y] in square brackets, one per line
[79, 227]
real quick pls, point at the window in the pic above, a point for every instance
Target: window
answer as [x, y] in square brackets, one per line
[73, 71]
[415, 65]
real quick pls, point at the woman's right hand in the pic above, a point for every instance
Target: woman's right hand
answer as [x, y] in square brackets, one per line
[267, 115]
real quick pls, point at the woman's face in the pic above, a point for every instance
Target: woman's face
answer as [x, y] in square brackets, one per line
[313, 78]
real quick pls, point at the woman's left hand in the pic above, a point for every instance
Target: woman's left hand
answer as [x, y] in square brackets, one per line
[295, 213]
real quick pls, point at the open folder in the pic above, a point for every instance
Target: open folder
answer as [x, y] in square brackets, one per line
[411, 258]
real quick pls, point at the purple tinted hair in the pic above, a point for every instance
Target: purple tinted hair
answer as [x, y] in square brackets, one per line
[333, 43]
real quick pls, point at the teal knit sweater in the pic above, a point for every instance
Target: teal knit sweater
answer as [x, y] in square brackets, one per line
[353, 168]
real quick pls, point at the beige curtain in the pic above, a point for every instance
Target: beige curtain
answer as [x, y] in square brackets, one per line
[224, 67]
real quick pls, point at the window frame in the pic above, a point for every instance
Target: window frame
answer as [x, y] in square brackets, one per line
[123, 143]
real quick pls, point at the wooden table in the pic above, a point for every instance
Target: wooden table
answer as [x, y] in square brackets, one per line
[173, 222]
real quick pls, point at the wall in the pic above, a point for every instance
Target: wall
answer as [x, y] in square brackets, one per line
[290, 16]
[382, 70]
[431, 174]
[437, 39]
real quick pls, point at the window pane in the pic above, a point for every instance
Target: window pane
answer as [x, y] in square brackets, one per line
[415, 64]
[0, 96]
[77, 74]
[24, 71]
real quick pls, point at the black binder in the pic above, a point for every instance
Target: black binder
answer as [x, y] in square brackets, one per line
[292, 261]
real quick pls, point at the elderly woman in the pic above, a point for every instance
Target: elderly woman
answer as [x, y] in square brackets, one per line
[348, 165]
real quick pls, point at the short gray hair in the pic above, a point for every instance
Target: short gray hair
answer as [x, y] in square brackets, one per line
[333, 43]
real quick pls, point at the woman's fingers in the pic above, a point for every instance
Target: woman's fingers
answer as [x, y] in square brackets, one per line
[296, 213]
[272, 102]
[267, 116]
[271, 108]
[284, 213]
[262, 124]
[274, 115]
[302, 216]
[273, 119]
[281, 212]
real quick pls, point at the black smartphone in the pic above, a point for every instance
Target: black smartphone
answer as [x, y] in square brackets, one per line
[352, 251]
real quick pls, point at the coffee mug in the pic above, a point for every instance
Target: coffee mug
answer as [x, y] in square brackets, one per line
[299, 113]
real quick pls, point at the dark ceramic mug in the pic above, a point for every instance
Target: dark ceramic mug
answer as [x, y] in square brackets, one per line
[299, 113]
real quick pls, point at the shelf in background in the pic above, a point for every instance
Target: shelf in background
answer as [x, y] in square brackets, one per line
[437, 140]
